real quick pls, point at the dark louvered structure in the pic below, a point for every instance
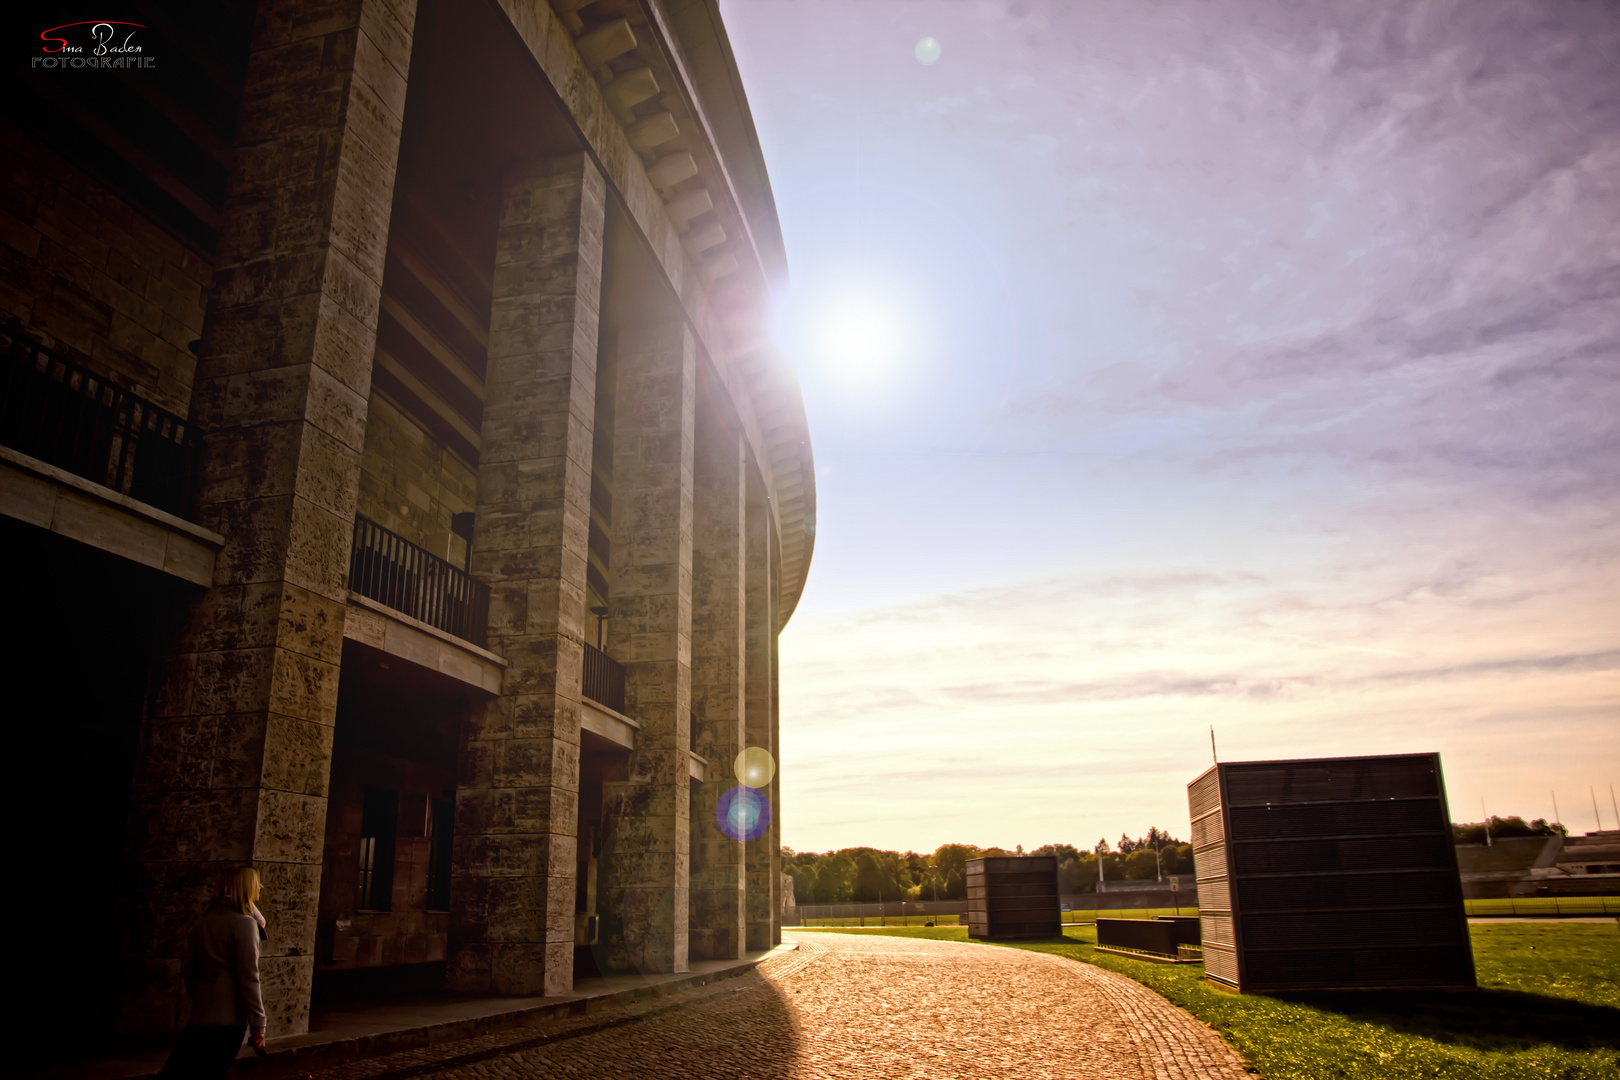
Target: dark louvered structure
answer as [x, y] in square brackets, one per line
[1329, 874]
[1013, 897]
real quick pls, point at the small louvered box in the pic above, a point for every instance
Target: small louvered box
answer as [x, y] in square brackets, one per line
[1013, 897]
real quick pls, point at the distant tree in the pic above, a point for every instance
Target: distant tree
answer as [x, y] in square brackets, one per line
[1085, 873]
[1062, 851]
[1141, 865]
[1178, 859]
[1068, 875]
[1473, 832]
[804, 882]
[835, 879]
[950, 866]
[875, 877]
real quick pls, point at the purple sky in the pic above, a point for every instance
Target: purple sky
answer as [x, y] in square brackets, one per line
[1246, 364]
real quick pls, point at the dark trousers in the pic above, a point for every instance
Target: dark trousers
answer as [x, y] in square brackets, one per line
[204, 1052]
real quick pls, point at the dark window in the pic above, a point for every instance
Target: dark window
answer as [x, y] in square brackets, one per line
[379, 824]
[441, 832]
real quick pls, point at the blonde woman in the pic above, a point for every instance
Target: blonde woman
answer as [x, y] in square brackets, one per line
[222, 976]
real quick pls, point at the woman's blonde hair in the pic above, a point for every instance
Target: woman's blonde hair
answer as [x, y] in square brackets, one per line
[241, 888]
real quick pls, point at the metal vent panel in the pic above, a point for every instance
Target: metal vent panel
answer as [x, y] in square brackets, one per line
[1214, 894]
[1304, 856]
[1220, 963]
[1332, 780]
[1336, 819]
[1351, 968]
[1345, 891]
[1217, 929]
[1264, 931]
[1209, 862]
[1204, 794]
[1208, 830]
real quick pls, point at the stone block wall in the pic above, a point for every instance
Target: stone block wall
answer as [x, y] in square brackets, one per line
[87, 274]
[411, 484]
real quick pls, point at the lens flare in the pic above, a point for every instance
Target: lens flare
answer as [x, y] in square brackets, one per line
[743, 813]
[755, 767]
[927, 50]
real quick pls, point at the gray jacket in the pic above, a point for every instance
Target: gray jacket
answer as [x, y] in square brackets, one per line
[222, 969]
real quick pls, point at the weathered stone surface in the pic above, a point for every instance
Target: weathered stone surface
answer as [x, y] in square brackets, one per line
[764, 854]
[718, 582]
[249, 685]
[646, 833]
[517, 802]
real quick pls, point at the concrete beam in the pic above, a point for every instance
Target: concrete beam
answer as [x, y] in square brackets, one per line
[79, 509]
[615, 727]
[428, 647]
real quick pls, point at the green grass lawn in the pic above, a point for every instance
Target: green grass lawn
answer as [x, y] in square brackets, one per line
[1077, 916]
[1548, 1006]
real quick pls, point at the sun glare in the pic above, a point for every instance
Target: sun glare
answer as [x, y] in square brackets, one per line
[858, 337]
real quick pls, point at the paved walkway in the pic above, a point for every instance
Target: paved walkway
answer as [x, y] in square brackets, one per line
[852, 1006]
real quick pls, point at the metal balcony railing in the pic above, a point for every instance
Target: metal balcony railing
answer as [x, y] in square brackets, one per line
[604, 679]
[391, 570]
[68, 416]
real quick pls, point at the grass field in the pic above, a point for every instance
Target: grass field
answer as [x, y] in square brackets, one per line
[1528, 905]
[1069, 918]
[1548, 1007]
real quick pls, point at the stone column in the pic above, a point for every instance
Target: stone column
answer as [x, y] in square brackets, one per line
[517, 801]
[774, 835]
[236, 750]
[764, 864]
[718, 917]
[642, 880]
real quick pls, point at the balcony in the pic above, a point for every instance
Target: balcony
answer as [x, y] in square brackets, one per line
[57, 412]
[603, 679]
[398, 574]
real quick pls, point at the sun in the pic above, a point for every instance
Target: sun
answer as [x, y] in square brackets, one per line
[858, 336]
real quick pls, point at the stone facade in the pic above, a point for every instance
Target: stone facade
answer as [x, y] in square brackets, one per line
[491, 293]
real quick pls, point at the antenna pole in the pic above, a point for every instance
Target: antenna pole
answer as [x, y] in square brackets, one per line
[1594, 807]
[1212, 755]
[1558, 819]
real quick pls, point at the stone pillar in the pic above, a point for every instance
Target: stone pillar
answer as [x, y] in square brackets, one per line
[774, 835]
[718, 919]
[764, 863]
[517, 801]
[236, 750]
[642, 882]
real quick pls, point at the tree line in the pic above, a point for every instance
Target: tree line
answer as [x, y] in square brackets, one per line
[1473, 832]
[867, 875]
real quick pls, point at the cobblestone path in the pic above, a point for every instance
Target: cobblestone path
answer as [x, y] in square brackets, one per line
[847, 1006]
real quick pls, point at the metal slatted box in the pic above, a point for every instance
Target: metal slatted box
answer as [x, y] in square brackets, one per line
[1013, 897]
[1329, 874]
